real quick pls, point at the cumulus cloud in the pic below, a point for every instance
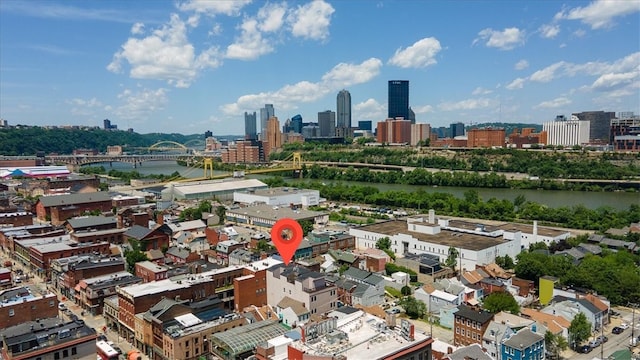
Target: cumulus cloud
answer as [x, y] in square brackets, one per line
[251, 44]
[468, 104]
[370, 109]
[521, 65]
[600, 13]
[613, 81]
[139, 105]
[516, 84]
[549, 31]
[422, 109]
[339, 77]
[421, 54]
[506, 39]
[137, 28]
[166, 54]
[212, 8]
[555, 103]
[311, 21]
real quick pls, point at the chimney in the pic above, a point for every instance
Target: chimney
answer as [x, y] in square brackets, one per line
[432, 216]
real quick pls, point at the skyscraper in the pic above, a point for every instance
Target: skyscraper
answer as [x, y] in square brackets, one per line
[599, 124]
[296, 123]
[457, 129]
[265, 114]
[250, 131]
[327, 123]
[343, 110]
[398, 99]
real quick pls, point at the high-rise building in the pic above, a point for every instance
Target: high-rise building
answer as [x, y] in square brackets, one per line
[564, 132]
[420, 132]
[250, 131]
[457, 129]
[274, 136]
[397, 131]
[364, 125]
[398, 99]
[208, 134]
[265, 114]
[327, 123]
[296, 124]
[343, 110]
[412, 116]
[599, 124]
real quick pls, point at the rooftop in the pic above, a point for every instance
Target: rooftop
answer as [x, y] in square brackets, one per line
[274, 212]
[523, 339]
[88, 221]
[445, 237]
[279, 191]
[216, 185]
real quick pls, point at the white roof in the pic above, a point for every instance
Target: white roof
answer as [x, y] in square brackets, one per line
[187, 225]
[188, 320]
[214, 186]
[444, 295]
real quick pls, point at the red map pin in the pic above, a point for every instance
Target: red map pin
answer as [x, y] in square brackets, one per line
[286, 234]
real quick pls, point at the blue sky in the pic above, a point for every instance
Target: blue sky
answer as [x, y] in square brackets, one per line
[191, 66]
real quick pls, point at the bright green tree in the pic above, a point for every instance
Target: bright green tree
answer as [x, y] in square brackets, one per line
[414, 308]
[501, 301]
[452, 259]
[579, 330]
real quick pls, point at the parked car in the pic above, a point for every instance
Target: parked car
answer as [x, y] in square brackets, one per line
[117, 349]
[595, 343]
[624, 326]
[585, 349]
[603, 339]
[62, 306]
[617, 330]
[102, 337]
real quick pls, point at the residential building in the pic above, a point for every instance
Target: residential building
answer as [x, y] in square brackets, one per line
[21, 304]
[300, 284]
[327, 123]
[250, 288]
[279, 196]
[563, 132]
[486, 138]
[343, 110]
[49, 338]
[67, 272]
[420, 133]
[470, 324]
[149, 271]
[568, 308]
[16, 218]
[558, 325]
[523, 345]
[493, 337]
[90, 293]
[59, 208]
[250, 130]
[599, 124]
[398, 99]
[155, 238]
[473, 351]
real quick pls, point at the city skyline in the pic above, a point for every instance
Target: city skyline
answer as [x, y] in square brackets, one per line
[192, 66]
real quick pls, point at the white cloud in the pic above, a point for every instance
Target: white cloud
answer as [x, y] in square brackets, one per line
[549, 31]
[516, 84]
[507, 39]
[311, 21]
[339, 77]
[50, 10]
[370, 109]
[82, 107]
[469, 104]
[600, 13]
[250, 45]
[166, 54]
[137, 28]
[271, 17]
[521, 65]
[579, 33]
[422, 109]
[555, 103]
[481, 91]
[612, 81]
[141, 104]
[547, 74]
[214, 7]
[421, 54]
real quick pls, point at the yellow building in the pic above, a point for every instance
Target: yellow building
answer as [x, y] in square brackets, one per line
[546, 286]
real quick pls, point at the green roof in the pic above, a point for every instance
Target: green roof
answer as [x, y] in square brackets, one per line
[245, 338]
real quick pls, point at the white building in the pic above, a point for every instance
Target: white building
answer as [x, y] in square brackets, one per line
[477, 244]
[567, 132]
[300, 284]
[278, 196]
[531, 234]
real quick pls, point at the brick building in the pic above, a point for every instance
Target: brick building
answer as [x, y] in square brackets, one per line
[148, 271]
[21, 305]
[527, 138]
[130, 216]
[27, 231]
[90, 293]
[16, 218]
[59, 208]
[112, 236]
[396, 131]
[156, 238]
[487, 137]
[66, 273]
[42, 255]
[84, 223]
[469, 325]
[251, 287]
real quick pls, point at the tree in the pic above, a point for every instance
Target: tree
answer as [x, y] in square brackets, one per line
[579, 330]
[383, 243]
[221, 212]
[307, 226]
[134, 255]
[414, 308]
[406, 290]
[452, 259]
[519, 201]
[501, 301]
[505, 262]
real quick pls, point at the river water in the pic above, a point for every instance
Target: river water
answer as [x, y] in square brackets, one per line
[592, 200]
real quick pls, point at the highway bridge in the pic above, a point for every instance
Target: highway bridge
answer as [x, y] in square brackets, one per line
[78, 160]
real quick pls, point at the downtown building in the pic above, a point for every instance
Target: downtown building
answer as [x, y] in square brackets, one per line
[599, 124]
[398, 100]
[266, 113]
[394, 131]
[250, 130]
[343, 114]
[563, 132]
[625, 132]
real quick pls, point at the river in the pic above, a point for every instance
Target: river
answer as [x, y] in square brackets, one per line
[592, 200]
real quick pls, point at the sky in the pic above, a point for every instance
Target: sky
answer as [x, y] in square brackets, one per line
[189, 66]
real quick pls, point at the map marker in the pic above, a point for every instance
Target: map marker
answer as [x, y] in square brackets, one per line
[286, 234]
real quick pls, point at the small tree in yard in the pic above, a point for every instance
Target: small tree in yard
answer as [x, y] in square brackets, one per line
[579, 330]
[415, 308]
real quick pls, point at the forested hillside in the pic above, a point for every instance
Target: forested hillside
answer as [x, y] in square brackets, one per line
[29, 140]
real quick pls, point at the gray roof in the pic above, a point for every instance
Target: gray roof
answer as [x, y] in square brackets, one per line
[71, 199]
[181, 253]
[89, 221]
[138, 232]
[473, 351]
[584, 302]
[363, 276]
[523, 339]
[480, 316]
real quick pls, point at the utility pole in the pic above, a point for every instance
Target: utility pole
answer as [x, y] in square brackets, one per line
[633, 307]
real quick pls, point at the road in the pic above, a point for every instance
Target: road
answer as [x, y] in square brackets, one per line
[616, 342]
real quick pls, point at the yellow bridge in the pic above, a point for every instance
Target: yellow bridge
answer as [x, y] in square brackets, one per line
[292, 163]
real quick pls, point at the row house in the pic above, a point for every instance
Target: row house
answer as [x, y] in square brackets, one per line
[158, 237]
[20, 248]
[130, 216]
[42, 255]
[16, 218]
[86, 223]
[90, 293]
[250, 289]
[180, 256]
[21, 304]
[470, 324]
[67, 272]
[27, 231]
[149, 271]
[59, 208]
[112, 236]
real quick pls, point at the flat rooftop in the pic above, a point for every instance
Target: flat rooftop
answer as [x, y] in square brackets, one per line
[216, 186]
[528, 229]
[445, 237]
[279, 191]
[274, 212]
